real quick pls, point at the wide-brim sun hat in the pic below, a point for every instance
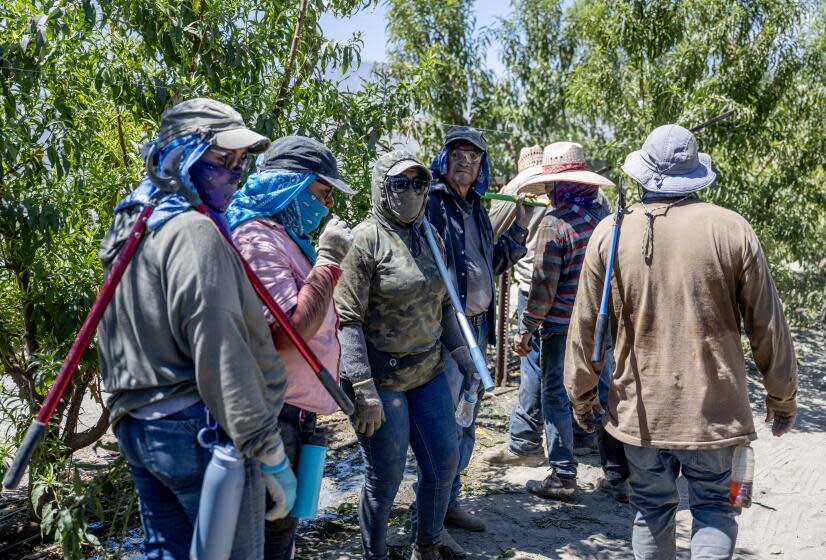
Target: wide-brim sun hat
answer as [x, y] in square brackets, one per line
[561, 161]
[669, 163]
[301, 154]
[215, 122]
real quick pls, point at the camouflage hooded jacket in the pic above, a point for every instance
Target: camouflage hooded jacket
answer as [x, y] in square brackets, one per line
[391, 287]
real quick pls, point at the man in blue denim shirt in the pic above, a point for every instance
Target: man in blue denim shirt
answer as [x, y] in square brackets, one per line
[455, 209]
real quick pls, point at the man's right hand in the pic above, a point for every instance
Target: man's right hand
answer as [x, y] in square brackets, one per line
[522, 343]
[369, 414]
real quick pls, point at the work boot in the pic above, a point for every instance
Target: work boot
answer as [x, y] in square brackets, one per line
[506, 457]
[554, 488]
[431, 552]
[463, 519]
[618, 490]
[447, 541]
[585, 445]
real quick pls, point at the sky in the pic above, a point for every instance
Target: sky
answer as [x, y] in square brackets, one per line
[372, 24]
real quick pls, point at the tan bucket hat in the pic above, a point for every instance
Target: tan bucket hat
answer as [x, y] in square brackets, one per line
[528, 165]
[562, 161]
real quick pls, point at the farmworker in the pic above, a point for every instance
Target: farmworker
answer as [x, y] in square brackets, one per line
[461, 175]
[184, 334]
[272, 217]
[688, 274]
[524, 445]
[561, 240]
[395, 317]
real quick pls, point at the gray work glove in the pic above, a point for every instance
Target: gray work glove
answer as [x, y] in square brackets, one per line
[334, 242]
[369, 413]
[461, 356]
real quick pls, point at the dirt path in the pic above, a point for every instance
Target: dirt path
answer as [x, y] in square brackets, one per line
[787, 520]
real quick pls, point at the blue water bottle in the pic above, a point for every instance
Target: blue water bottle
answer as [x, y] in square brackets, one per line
[219, 506]
[310, 473]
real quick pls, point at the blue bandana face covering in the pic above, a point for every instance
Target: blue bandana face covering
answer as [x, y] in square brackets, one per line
[215, 183]
[310, 210]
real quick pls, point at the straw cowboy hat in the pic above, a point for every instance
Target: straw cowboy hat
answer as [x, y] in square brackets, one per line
[561, 161]
[528, 165]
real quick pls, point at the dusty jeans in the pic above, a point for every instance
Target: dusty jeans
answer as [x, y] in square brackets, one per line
[168, 467]
[423, 418]
[653, 480]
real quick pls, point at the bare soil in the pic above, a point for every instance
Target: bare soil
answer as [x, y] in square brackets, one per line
[786, 520]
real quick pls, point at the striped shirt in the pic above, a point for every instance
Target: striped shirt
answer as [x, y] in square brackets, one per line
[560, 249]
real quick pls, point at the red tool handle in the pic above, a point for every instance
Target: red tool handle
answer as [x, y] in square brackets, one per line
[37, 429]
[324, 376]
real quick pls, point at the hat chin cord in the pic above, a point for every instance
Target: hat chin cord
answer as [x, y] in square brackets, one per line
[648, 236]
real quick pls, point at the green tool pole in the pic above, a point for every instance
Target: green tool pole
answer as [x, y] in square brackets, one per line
[511, 198]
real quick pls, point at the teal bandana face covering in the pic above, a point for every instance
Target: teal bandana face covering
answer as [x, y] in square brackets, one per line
[310, 210]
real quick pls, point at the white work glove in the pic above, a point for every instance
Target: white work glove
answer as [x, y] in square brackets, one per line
[334, 242]
[281, 485]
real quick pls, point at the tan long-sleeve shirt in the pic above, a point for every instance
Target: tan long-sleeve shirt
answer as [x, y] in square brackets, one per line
[680, 379]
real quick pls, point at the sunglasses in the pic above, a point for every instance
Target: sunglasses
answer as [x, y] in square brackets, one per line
[470, 156]
[401, 183]
[231, 160]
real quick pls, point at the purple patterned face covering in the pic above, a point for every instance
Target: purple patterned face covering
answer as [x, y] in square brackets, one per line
[215, 183]
[573, 193]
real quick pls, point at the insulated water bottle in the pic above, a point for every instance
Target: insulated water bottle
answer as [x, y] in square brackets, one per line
[742, 476]
[467, 404]
[310, 473]
[220, 504]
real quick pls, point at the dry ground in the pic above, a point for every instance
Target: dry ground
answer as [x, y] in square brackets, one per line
[787, 519]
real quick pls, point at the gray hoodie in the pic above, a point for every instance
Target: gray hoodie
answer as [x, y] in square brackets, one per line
[184, 323]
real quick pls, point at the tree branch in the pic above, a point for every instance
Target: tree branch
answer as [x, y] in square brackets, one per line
[90, 436]
[122, 143]
[288, 65]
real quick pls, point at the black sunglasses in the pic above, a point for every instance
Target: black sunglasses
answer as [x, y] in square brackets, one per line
[400, 183]
[232, 162]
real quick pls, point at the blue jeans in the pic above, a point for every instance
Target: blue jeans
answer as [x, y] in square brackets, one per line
[423, 418]
[543, 402]
[168, 466]
[653, 481]
[466, 436]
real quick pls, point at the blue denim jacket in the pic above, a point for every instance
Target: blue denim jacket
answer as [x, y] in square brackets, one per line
[445, 214]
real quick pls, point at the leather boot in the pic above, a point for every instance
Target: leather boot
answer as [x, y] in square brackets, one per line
[459, 517]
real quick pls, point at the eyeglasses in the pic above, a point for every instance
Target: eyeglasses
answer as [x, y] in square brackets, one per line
[470, 156]
[232, 160]
[401, 183]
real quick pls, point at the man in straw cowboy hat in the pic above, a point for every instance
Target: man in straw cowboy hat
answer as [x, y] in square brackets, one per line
[524, 445]
[687, 275]
[562, 236]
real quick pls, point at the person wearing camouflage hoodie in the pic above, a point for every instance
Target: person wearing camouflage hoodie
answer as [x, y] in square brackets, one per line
[395, 316]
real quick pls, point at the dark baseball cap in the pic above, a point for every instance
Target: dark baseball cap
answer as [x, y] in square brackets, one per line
[215, 122]
[468, 134]
[304, 155]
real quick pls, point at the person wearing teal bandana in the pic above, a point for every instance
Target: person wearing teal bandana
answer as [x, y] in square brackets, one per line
[272, 217]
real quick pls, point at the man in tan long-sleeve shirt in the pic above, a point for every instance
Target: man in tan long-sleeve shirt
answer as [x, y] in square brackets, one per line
[688, 275]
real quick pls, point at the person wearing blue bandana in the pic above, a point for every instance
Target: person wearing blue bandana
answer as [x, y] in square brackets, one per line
[460, 176]
[272, 217]
[184, 331]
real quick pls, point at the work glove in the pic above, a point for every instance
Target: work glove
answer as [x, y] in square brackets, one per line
[334, 242]
[584, 412]
[523, 213]
[281, 485]
[369, 414]
[461, 356]
[782, 422]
